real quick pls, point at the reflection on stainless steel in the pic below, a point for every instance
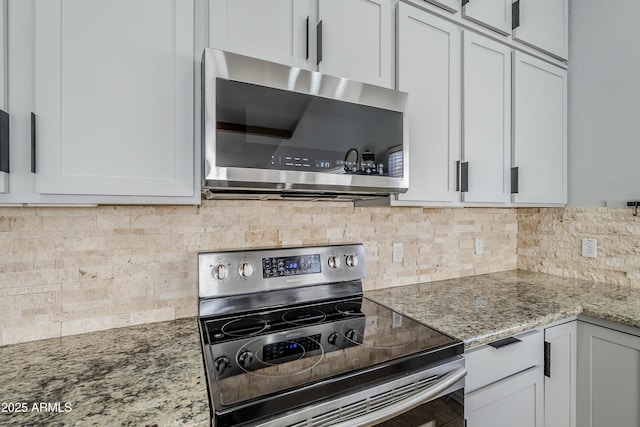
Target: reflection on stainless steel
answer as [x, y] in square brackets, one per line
[351, 160]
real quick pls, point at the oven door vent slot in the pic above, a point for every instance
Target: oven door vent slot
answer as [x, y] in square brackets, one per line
[361, 407]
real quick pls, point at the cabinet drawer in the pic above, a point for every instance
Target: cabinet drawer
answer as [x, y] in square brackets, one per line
[487, 364]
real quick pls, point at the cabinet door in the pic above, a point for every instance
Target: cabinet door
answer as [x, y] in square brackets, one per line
[493, 14]
[281, 31]
[356, 40]
[429, 56]
[114, 97]
[4, 176]
[539, 130]
[544, 24]
[608, 377]
[487, 119]
[452, 6]
[514, 401]
[560, 377]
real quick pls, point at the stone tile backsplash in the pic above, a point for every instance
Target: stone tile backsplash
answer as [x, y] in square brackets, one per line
[71, 270]
[550, 241]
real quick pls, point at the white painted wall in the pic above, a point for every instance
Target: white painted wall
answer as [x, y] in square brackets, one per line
[604, 102]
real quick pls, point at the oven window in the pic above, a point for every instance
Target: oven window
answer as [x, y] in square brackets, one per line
[266, 128]
[447, 411]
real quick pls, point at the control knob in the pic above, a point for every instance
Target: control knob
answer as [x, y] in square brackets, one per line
[221, 364]
[245, 269]
[352, 260]
[351, 335]
[333, 338]
[334, 262]
[220, 272]
[245, 358]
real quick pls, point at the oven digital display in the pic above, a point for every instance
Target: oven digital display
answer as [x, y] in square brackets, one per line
[286, 349]
[291, 265]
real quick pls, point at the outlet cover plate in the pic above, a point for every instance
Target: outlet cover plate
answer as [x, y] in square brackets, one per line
[589, 247]
[397, 252]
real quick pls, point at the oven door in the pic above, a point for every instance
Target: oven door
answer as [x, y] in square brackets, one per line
[432, 397]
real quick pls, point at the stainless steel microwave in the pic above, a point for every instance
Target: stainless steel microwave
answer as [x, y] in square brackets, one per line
[276, 129]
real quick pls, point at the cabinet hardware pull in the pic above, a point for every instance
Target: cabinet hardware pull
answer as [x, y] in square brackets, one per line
[515, 180]
[504, 342]
[515, 15]
[319, 43]
[4, 141]
[464, 2]
[33, 142]
[464, 177]
[458, 175]
[307, 38]
[547, 359]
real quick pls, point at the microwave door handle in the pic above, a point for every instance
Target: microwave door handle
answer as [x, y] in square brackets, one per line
[405, 405]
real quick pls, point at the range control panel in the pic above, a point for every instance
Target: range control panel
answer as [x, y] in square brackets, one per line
[248, 271]
[291, 265]
[292, 348]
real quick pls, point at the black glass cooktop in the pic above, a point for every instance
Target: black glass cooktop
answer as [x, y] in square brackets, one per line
[313, 350]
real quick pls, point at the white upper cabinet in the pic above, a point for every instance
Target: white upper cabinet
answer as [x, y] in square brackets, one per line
[543, 24]
[282, 31]
[486, 119]
[356, 40]
[429, 61]
[4, 176]
[114, 97]
[493, 14]
[452, 6]
[345, 38]
[539, 131]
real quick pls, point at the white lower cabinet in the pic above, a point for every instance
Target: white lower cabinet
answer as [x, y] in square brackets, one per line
[608, 377]
[583, 374]
[504, 384]
[560, 375]
[514, 401]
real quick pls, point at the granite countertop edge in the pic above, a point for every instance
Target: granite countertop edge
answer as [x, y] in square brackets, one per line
[484, 308]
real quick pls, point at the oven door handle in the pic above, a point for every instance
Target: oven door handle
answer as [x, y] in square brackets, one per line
[405, 405]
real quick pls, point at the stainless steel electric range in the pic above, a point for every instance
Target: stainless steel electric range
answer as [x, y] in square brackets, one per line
[289, 340]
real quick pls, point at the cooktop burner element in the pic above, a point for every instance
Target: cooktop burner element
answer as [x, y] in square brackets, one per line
[304, 316]
[273, 341]
[244, 326]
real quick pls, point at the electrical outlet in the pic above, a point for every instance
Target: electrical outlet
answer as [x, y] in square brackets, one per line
[589, 247]
[397, 320]
[479, 246]
[397, 252]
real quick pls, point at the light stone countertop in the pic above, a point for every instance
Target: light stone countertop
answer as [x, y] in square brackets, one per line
[481, 309]
[153, 375]
[146, 375]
